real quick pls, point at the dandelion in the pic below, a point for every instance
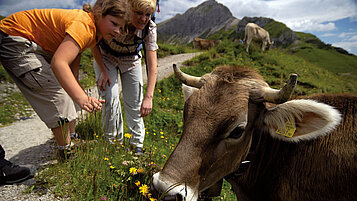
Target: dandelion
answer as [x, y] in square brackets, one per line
[167, 98]
[127, 135]
[159, 90]
[137, 183]
[144, 189]
[162, 137]
[161, 132]
[133, 170]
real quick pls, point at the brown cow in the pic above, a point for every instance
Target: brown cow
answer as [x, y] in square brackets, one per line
[255, 33]
[297, 150]
[204, 44]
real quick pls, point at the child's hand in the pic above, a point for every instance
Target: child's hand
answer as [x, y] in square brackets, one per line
[92, 104]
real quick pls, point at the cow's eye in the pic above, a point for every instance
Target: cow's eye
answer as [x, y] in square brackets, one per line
[236, 133]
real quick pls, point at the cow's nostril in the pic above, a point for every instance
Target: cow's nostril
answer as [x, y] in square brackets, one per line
[177, 197]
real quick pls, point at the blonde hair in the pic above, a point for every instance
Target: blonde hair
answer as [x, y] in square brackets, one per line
[143, 5]
[117, 8]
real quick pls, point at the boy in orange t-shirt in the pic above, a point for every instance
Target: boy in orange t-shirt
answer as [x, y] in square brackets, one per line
[41, 48]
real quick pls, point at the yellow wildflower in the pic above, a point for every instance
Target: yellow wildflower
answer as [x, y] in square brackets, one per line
[153, 199]
[144, 189]
[127, 135]
[137, 183]
[132, 170]
[106, 159]
[140, 171]
[112, 167]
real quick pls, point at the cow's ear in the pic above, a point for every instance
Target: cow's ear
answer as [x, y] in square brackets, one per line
[188, 91]
[301, 120]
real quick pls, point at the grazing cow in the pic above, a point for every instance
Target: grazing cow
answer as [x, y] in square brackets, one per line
[204, 44]
[255, 33]
[238, 128]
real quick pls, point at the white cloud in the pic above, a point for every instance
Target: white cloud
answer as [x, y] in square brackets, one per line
[311, 26]
[347, 34]
[350, 46]
[328, 34]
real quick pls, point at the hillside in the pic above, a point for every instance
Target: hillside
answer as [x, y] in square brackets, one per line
[214, 21]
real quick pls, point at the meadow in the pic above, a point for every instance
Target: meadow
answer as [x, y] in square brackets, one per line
[103, 171]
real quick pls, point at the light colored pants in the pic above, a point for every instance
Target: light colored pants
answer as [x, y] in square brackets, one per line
[29, 66]
[132, 88]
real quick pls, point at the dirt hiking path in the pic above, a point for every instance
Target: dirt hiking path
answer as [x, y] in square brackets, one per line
[30, 143]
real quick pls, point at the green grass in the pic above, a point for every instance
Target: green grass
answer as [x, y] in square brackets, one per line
[325, 56]
[103, 170]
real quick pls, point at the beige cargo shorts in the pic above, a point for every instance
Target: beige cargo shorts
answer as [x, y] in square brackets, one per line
[29, 66]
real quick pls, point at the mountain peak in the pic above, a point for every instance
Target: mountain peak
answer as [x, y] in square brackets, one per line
[199, 21]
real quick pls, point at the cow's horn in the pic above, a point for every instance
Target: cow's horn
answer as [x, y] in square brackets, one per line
[188, 79]
[282, 95]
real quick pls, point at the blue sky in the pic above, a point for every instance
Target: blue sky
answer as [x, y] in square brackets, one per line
[334, 22]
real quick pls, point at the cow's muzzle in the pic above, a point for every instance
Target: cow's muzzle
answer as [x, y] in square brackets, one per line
[166, 189]
[161, 196]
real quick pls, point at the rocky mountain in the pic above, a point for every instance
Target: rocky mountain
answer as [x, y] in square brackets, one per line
[201, 21]
[212, 18]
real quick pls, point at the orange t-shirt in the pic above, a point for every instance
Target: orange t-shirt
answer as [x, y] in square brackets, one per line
[48, 27]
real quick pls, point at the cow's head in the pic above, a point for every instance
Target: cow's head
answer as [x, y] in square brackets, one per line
[269, 44]
[219, 114]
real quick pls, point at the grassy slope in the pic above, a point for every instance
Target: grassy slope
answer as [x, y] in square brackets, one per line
[325, 57]
[103, 164]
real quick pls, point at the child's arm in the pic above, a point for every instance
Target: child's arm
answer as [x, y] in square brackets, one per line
[65, 55]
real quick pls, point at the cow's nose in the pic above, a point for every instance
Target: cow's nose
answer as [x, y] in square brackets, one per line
[157, 194]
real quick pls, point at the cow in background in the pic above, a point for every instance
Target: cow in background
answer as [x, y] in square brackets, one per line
[255, 33]
[204, 44]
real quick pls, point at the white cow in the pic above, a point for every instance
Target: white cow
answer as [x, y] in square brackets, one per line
[255, 33]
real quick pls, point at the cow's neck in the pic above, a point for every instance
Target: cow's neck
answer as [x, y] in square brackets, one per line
[247, 161]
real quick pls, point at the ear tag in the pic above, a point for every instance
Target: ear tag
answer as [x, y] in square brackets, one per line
[289, 129]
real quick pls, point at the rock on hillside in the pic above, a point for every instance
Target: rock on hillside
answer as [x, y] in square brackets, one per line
[201, 21]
